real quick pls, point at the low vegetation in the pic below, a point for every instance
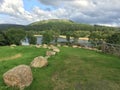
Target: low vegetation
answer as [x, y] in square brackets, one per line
[71, 69]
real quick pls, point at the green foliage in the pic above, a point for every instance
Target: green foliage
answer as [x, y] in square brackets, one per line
[15, 36]
[68, 35]
[56, 34]
[61, 25]
[3, 39]
[31, 38]
[84, 33]
[95, 38]
[47, 37]
[98, 37]
[4, 27]
[114, 39]
[96, 33]
[76, 36]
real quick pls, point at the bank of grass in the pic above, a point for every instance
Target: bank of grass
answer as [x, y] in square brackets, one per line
[71, 69]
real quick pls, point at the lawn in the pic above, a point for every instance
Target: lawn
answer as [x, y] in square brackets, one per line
[71, 69]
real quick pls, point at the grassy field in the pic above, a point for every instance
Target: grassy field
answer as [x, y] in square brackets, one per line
[71, 69]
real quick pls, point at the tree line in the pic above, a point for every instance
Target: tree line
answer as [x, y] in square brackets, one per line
[51, 30]
[15, 36]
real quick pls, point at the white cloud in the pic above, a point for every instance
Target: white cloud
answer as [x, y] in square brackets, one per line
[15, 8]
[105, 12]
[88, 11]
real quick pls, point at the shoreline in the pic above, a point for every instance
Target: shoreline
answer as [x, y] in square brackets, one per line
[62, 36]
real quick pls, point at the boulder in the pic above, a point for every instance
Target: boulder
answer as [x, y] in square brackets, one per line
[38, 46]
[75, 46]
[20, 76]
[56, 50]
[50, 53]
[52, 47]
[47, 57]
[65, 46]
[58, 45]
[39, 62]
[45, 46]
[13, 45]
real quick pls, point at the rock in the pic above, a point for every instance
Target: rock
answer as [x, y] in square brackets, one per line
[45, 46]
[65, 46]
[38, 46]
[50, 53]
[52, 47]
[56, 50]
[20, 76]
[58, 45]
[13, 45]
[47, 57]
[75, 46]
[39, 62]
[49, 47]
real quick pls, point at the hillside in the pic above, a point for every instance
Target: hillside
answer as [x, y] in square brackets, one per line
[52, 21]
[57, 24]
[7, 26]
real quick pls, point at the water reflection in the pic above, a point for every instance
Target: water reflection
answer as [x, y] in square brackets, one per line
[60, 39]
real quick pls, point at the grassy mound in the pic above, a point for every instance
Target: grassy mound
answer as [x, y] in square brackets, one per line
[71, 69]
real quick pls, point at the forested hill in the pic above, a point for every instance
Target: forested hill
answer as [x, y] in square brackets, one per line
[59, 24]
[52, 21]
[9, 26]
[56, 24]
[66, 25]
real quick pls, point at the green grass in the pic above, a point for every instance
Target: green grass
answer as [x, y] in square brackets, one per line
[71, 69]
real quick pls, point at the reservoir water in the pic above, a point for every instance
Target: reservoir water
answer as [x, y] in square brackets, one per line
[60, 39]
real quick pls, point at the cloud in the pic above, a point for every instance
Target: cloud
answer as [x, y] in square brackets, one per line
[14, 9]
[105, 12]
[87, 11]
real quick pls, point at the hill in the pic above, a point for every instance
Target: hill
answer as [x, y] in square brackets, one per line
[7, 26]
[52, 21]
[62, 25]
[59, 24]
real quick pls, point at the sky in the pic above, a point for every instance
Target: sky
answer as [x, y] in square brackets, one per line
[103, 12]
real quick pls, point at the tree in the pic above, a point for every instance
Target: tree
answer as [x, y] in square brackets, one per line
[56, 34]
[76, 36]
[47, 37]
[95, 38]
[3, 39]
[15, 36]
[114, 39]
[31, 38]
[68, 35]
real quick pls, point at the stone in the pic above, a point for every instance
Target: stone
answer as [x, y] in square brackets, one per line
[52, 47]
[75, 46]
[13, 45]
[38, 46]
[56, 50]
[45, 46]
[58, 45]
[65, 46]
[20, 76]
[50, 53]
[47, 57]
[39, 62]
